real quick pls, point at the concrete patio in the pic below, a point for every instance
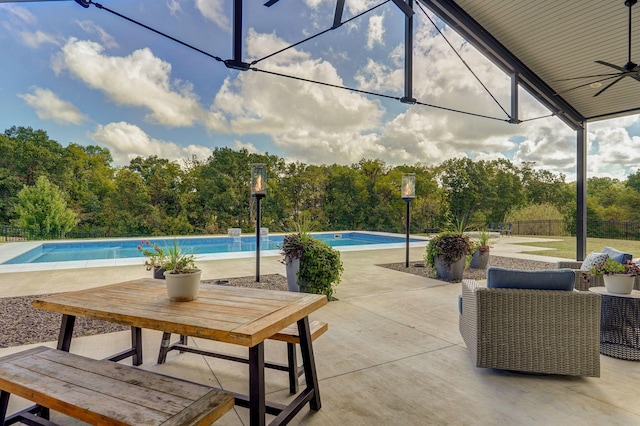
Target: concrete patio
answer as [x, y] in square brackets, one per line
[392, 356]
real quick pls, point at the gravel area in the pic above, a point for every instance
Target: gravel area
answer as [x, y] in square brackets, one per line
[21, 324]
[475, 274]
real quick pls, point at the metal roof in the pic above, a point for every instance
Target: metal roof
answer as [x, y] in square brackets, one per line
[549, 40]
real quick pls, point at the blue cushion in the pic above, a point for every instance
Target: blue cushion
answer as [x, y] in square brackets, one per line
[547, 279]
[617, 255]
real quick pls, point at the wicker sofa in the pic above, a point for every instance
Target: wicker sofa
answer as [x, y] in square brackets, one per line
[584, 279]
[538, 331]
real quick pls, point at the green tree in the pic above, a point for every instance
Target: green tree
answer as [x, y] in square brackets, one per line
[89, 178]
[127, 208]
[43, 208]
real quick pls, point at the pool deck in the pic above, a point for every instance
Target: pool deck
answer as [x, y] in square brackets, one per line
[393, 354]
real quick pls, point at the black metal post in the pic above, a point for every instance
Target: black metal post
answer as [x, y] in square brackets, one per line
[258, 197]
[407, 226]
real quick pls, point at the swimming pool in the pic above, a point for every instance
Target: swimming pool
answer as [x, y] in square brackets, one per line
[74, 251]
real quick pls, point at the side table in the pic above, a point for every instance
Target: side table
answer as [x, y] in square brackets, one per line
[619, 324]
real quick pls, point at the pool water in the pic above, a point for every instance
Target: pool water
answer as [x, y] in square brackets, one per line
[120, 249]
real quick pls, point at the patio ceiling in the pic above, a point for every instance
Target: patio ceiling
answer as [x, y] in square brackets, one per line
[546, 41]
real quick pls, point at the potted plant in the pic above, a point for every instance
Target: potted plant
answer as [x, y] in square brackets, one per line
[155, 258]
[320, 268]
[480, 251]
[446, 254]
[312, 266]
[618, 277]
[292, 248]
[182, 275]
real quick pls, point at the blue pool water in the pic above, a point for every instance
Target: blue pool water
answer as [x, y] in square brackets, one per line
[119, 249]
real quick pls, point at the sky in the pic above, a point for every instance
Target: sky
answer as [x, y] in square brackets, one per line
[89, 77]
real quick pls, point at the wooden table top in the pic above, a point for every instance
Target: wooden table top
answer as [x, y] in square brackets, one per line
[243, 316]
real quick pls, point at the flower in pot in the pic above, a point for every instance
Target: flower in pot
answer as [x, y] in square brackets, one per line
[618, 277]
[155, 258]
[446, 254]
[182, 275]
[480, 251]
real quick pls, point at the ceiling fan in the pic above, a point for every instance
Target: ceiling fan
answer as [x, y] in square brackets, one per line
[630, 69]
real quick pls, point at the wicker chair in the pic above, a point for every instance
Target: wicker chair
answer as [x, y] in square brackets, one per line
[586, 280]
[537, 331]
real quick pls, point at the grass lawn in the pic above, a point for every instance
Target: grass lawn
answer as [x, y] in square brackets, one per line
[566, 246]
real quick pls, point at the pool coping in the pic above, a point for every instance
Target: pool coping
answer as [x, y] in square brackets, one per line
[10, 250]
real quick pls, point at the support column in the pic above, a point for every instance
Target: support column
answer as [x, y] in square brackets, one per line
[581, 192]
[514, 99]
[408, 57]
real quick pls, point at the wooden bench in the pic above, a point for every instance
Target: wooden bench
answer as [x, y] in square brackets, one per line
[103, 392]
[288, 335]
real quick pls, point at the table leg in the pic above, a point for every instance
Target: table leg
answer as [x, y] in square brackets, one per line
[66, 332]
[309, 362]
[4, 403]
[257, 408]
[136, 344]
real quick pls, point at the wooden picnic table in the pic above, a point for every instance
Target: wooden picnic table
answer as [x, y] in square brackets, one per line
[241, 316]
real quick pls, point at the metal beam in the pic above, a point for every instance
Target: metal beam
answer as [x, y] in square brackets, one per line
[236, 62]
[337, 17]
[474, 33]
[581, 192]
[408, 58]
[515, 118]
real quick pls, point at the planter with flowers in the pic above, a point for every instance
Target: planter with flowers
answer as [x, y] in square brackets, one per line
[480, 251]
[618, 277]
[155, 258]
[446, 254]
[182, 275]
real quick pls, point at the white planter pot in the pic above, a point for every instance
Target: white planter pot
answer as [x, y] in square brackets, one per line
[183, 287]
[619, 283]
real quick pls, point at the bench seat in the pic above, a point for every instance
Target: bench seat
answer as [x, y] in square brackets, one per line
[104, 392]
[288, 335]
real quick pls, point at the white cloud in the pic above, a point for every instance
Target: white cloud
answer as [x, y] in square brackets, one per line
[91, 27]
[21, 22]
[308, 121]
[49, 106]
[127, 141]
[174, 7]
[140, 79]
[613, 151]
[37, 38]
[238, 145]
[213, 10]
[19, 14]
[375, 33]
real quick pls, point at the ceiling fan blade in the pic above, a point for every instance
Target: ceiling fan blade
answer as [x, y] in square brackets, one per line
[609, 85]
[619, 68]
[587, 76]
[588, 84]
[270, 3]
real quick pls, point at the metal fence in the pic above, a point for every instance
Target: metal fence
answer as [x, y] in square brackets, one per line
[595, 229]
[12, 234]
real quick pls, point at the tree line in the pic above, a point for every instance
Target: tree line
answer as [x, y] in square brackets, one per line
[156, 196]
